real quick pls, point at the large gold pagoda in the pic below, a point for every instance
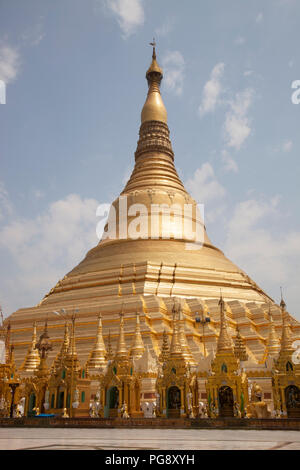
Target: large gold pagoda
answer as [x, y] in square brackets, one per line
[143, 275]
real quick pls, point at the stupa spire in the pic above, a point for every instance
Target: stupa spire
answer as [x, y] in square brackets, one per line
[165, 348]
[224, 341]
[286, 337]
[98, 354]
[110, 353]
[175, 349]
[183, 339]
[240, 351]
[72, 358]
[154, 108]
[65, 345]
[121, 347]
[64, 348]
[154, 155]
[32, 358]
[273, 344]
[138, 344]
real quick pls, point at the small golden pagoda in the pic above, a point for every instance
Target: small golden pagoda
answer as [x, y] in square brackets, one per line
[97, 359]
[69, 386]
[119, 385]
[138, 347]
[227, 386]
[176, 383]
[286, 373]
[32, 359]
[36, 386]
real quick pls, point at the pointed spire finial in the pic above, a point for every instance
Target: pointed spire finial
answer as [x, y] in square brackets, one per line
[138, 344]
[273, 344]
[282, 302]
[224, 340]
[32, 359]
[165, 349]
[110, 354]
[175, 349]
[221, 301]
[97, 357]
[153, 44]
[286, 337]
[64, 348]
[240, 351]
[154, 108]
[121, 347]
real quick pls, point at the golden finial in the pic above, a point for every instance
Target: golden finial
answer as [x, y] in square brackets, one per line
[224, 340]
[273, 345]
[286, 339]
[32, 358]
[154, 108]
[44, 345]
[282, 302]
[175, 349]
[97, 357]
[64, 348]
[165, 348]
[240, 351]
[110, 354]
[138, 344]
[121, 347]
[72, 358]
[153, 44]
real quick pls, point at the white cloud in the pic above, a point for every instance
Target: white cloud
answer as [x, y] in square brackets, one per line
[229, 163]
[212, 90]
[204, 186]
[256, 243]
[35, 34]
[6, 207]
[45, 248]
[240, 40]
[9, 62]
[237, 124]
[259, 17]
[129, 13]
[287, 146]
[38, 194]
[173, 65]
[166, 27]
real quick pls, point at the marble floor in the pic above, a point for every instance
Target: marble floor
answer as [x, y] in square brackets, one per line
[152, 439]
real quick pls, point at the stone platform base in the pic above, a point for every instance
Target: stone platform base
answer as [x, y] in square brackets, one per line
[181, 423]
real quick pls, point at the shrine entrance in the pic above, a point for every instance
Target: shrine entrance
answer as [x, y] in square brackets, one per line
[113, 402]
[31, 405]
[173, 402]
[226, 402]
[292, 400]
[61, 398]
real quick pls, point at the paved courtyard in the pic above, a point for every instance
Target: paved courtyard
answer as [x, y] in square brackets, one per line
[152, 439]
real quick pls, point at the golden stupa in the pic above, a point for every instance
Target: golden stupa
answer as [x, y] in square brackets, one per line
[143, 275]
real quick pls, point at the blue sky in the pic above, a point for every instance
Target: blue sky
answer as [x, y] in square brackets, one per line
[75, 85]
